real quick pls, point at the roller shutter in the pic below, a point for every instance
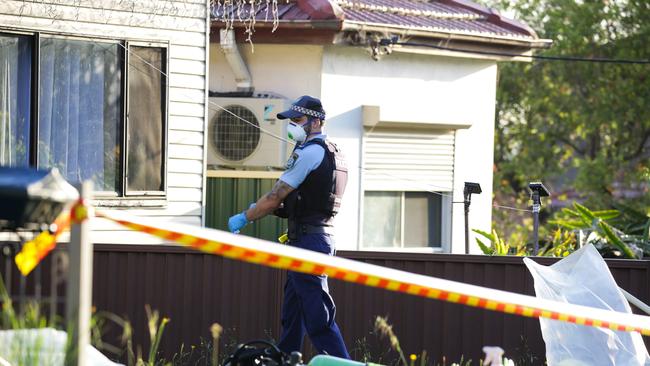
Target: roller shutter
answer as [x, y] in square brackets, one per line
[415, 160]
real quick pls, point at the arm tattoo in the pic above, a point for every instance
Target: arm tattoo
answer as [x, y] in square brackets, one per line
[279, 191]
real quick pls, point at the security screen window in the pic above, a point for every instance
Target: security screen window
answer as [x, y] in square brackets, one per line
[15, 95]
[402, 219]
[99, 113]
[145, 170]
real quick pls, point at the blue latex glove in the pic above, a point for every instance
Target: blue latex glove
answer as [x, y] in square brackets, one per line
[237, 222]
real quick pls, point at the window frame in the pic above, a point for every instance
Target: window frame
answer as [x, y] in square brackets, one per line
[121, 197]
[165, 118]
[33, 118]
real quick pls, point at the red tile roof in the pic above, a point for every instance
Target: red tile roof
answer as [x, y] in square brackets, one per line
[435, 16]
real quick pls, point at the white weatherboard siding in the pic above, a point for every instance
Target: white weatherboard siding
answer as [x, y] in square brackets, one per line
[183, 25]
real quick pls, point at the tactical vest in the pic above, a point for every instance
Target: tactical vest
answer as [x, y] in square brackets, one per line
[317, 200]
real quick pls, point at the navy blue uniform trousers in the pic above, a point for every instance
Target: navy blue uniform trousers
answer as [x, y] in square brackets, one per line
[308, 306]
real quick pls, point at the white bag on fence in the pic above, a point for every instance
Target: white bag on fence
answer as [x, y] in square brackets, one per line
[583, 278]
[43, 347]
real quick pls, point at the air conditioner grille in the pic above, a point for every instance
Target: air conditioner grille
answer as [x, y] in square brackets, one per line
[232, 137]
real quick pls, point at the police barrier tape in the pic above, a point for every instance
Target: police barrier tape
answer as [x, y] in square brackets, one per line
[271, 254]
[38, 248]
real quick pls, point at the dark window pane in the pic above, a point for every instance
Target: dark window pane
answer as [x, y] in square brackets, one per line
[80, 110]
[146, 113]
[382, 213]
[15, 97]
[422, 219]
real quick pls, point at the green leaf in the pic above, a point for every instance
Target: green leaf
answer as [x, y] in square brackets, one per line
[495, 235]
[630, 211]
[571, 212]
[484, 233]
[607, 214]
[613, 239]
[483, 247]
[586, 214]
[570, 224]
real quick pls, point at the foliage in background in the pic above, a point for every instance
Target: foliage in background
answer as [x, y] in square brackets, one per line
[386, 330]
[582, 128]
[596, 229]
[585, 124]
[577, 227]
[497, 246]
[29, 317]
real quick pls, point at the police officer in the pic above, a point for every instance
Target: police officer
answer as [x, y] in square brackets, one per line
[309, 194]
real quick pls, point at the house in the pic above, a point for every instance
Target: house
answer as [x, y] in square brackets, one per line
[409, 88]
[111, 91]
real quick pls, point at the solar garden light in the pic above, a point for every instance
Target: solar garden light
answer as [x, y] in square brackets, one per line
[537, 191]
[467, 199]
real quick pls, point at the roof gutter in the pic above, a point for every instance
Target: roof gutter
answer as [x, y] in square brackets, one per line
[405, 32]
[296, 24]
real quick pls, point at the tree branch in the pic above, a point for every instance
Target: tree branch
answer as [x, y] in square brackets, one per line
[572, 145]
[639, 148]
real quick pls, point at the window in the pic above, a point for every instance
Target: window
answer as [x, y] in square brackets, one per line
[99, 113]
[15, 94]
[146, 111]
[80, 110]
[403, 219]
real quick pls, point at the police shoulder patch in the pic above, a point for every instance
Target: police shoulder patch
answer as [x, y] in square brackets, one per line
[291, 161]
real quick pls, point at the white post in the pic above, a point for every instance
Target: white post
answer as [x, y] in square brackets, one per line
[79, 290]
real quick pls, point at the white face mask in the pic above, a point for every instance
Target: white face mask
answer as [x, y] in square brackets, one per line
[296, 132]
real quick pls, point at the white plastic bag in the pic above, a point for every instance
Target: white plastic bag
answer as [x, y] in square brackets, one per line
[583, 278]
[44, 347]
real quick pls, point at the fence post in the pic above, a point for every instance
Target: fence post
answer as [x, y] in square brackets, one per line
[80, 280]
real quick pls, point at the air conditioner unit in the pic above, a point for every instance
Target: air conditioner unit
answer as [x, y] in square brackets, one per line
[245, 132]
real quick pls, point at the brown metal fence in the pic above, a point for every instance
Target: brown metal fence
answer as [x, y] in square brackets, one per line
[195, 290]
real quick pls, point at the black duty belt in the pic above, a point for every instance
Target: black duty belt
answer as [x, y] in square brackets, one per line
[315, 229]
[296, 230]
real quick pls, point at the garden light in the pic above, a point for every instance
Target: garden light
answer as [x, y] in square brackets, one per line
[537, 191]
[469, 189]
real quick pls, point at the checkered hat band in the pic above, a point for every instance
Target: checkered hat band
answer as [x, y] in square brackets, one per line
[308, 112]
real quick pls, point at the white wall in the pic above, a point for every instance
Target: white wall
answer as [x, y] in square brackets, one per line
[181, 23]
[289, 70]
[474, 160]
[407, 88]
[413, 88]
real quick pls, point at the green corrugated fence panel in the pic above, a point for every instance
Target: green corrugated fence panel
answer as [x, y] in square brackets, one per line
[228, 196]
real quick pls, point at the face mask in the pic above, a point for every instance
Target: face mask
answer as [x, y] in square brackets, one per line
[297, 132]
